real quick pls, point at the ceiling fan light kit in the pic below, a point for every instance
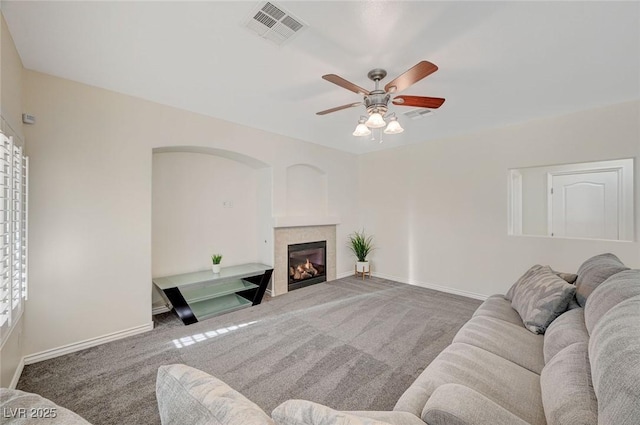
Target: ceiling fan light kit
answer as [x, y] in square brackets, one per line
[361, 128]
[376, 101]
[394, 126]
[375, 121]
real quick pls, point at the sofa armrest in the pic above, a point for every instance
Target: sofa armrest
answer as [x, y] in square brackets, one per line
[22, 408]
[454, 404]
[390, 417]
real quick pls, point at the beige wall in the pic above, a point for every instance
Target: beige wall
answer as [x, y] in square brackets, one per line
[10, 124]
[90, 211]
[10, 86]
[439, 209]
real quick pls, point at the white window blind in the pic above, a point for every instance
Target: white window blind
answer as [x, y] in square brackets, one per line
[14, 168]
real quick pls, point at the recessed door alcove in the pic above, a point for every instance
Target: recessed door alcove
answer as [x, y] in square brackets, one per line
[207, 201]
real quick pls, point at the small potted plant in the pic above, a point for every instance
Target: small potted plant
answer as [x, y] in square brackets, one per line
[361, 245]
[215, 260]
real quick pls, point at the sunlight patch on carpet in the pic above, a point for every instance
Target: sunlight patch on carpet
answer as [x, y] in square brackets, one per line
[199, 337]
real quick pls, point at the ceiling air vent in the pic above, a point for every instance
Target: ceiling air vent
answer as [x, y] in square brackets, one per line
[417, 114]
[274, 23]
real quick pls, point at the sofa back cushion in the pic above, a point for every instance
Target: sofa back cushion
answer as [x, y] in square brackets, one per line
[540, 296]
[593, 272]
[614, 351]
[190, 396]
[567, 329]
[567, 390]
[619, 287]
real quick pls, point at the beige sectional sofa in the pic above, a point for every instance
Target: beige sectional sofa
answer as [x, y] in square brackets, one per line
[585, 369]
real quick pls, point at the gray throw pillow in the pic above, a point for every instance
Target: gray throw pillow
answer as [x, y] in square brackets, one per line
[568, 277]
[593, 272]
[540, 296]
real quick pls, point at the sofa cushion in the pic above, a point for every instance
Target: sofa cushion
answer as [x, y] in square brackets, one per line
[567, 389]
[540, 296]
[615, 289]
[593, 272]
[189, 396]
[498, 307]
[512, 387]
[509, 341]
[453, 404]
[390, 417]
[567, 329]
[614, 352]
[22, 408]
[302, 412]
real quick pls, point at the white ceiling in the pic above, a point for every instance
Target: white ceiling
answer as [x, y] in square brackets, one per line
[500, 62]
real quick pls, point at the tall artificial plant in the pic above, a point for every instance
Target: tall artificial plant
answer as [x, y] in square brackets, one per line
[361, 245]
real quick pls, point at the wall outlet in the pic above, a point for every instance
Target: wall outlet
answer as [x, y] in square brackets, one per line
[227, 204]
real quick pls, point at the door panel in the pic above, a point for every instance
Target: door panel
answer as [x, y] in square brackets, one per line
[585, 205]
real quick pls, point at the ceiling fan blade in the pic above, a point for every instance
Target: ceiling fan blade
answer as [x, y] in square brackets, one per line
[419, 101]
[333, 78]
[339, 108]
[412, 76]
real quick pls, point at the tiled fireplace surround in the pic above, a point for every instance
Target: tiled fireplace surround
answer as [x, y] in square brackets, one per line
[284, 236]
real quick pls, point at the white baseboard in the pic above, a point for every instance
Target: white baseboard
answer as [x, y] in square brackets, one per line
[16, 375]
[432, 286]
[344, 274]
[268, 292]
[88, 343]
[160, 309]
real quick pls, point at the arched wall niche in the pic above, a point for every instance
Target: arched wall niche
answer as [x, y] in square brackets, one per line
[307, 193]
[223, 153]
[205, 201]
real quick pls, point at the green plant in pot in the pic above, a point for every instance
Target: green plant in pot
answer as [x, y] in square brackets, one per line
[216, 259]
[361, 245]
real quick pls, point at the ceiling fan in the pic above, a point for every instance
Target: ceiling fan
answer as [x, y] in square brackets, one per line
[376, 101]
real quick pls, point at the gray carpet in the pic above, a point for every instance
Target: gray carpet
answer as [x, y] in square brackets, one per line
[349, 344]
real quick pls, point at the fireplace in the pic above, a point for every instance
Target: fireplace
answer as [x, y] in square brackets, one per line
[307, 264]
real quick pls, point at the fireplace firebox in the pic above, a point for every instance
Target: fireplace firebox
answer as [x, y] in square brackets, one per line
[307, 264]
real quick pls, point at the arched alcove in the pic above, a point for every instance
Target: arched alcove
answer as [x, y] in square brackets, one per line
[207, 201]
[306, 190]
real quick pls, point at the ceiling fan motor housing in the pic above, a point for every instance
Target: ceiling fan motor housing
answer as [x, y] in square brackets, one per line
[377, 101]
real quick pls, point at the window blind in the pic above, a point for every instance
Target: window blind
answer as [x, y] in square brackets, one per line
[14, 167]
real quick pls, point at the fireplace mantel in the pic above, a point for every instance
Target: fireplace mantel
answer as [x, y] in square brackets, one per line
[303, 221]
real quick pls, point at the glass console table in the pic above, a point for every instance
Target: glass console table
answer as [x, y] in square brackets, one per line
[199, 295]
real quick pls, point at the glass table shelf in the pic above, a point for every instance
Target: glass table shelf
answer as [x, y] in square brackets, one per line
[216, 290]
[215, 306]
[200, 295]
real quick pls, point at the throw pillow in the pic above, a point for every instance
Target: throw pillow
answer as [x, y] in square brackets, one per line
[593, 272]
[302, 412]
[540, 296]
[190, 396]
[567, 277]
[523, 279]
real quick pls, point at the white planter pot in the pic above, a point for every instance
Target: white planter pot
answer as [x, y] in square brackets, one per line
[215, 268]
[362, 266]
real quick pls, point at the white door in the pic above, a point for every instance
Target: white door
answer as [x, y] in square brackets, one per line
[585, 205]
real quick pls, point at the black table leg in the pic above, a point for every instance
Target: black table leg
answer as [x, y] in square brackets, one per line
[180, 306]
